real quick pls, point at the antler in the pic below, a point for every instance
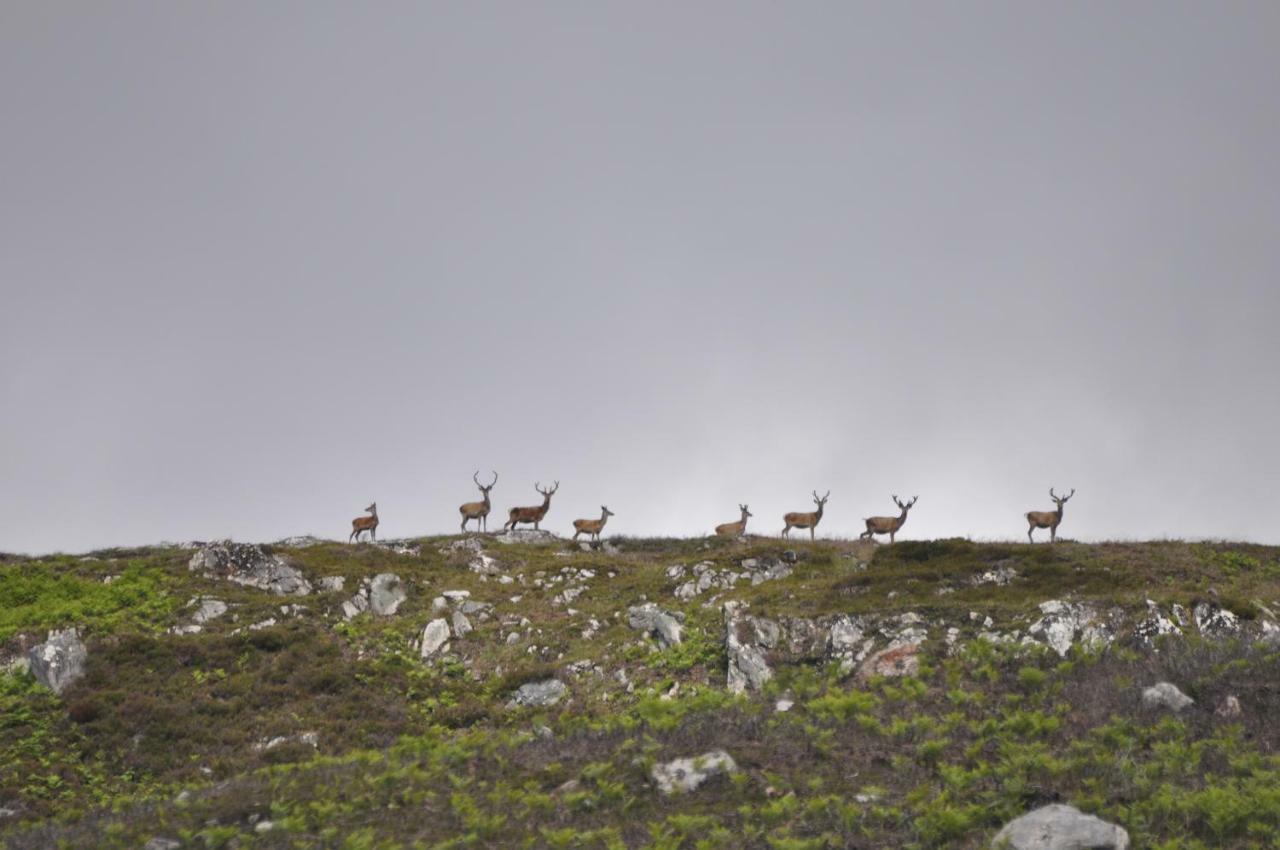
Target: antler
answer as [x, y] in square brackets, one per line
[475, 476]
[495, 478]
[896, 501]
[913, 501]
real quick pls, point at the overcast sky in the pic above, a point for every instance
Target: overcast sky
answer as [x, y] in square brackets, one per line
[265, 263]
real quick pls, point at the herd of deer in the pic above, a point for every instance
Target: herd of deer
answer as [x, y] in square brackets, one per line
[890, 525]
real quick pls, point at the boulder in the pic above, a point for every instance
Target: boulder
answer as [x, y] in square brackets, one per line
[435, 637]
[332, 584]
[209, 609]
[250, 565]
[1214, 621]
[1066, 623]
[524, 535]
[891, 662]
[386, 593]
[461, 625]
[688, 774]
[1059, 827]
[59, 661]
[652, 620]
[747, 667]
[1165, 695]
[539, 694]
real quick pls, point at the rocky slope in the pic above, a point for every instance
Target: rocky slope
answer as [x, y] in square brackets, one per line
[522, 690]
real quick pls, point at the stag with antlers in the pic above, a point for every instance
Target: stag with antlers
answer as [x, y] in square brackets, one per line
[365, 523]
[1048, 519]
[806, 520]
[735, 529]
[887, 524]
[533, 514]
[478, 511]
[592, 527]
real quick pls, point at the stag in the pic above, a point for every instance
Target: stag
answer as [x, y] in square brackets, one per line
[478, 511]
[1048, 519]
[887, 524]
[533, 514]
[592, 527]
[365, 523]
[806, 520]
[735, 529]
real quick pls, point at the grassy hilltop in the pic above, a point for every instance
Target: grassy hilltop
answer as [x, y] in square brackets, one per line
[282, 723]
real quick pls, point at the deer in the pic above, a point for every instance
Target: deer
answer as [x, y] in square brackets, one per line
[365, 523]
[478, 511]
[533, 514]
[887, 524]
[592, 527]
[735, 529]
[1048, 519]
[806, 520]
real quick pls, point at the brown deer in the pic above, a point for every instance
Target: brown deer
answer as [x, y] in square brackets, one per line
[365, 523]
[478, 511]
[803, 520]
[735, 529]
[592, 527]
[534, 514]
[1048, 519]
[887, 524]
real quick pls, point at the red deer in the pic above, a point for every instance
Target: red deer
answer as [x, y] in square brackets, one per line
[735, 529]
[592, 527]
[478, 511]
[887, 524]
[803, 520]
[365, 523]
[1048, 519]
[534, 514]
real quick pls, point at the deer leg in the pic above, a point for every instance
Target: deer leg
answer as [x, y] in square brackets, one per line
[1030, 539]
[891, 538]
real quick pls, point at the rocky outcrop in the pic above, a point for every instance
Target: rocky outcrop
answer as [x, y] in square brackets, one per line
[745, 638]
[59, 661]
[666, 626]
[1166, 695]
[539, 694]
[524, 535]
[892, 662]
[682, 775]
[705, 576]
[250, 565]
[1059, 827]
[1065, 624]
[383, 595]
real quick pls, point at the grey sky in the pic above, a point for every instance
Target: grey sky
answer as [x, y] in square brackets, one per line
[263, 263]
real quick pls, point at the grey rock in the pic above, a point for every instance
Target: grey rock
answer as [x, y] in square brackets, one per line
[1059, 827]
[386, 594]
[747, 667]
[210, 609]
[162, 844]
[524, 535]
[1214, 621]
[1066, 623]
[60, 660]
[1155, 625]
[1165, 695]
[332, 584]
[435, 637]
[652, 620]
[683, 775]
[461, 625]
[891, 662]
[1229, 707]
[539, 694]
[249, 565]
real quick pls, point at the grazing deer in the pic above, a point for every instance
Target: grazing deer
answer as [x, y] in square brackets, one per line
[478, 511]
[735, 529]
[809, 520]
[534, 514]
[365, 523]
[1048, 519]
[887, 524]
[592, 527]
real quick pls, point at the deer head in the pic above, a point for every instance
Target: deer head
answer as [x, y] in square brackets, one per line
[475, 476]
[1061, 500]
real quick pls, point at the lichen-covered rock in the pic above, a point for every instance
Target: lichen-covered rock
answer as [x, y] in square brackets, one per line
[747, 667]
[250, 565]
[891, 662]
[688, 774]
[1155, 625]
[1059, 827]
[332, 584]
[1165, 695]
[539, 694]
[59, 661]
[652, 620]
[435, 637]
[1067, 623]
[386, 594]
[1214, 621]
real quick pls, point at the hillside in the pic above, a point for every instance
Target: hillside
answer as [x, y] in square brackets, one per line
[527, 691]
